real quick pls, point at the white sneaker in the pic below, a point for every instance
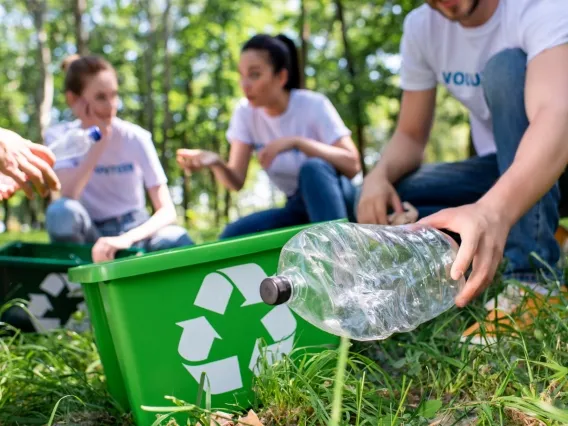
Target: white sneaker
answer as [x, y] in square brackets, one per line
[510, 298]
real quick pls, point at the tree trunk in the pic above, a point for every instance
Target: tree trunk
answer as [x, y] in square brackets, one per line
[44, 92]
[304, 35]
[471, 147]
[355, 100]
[227, 206]
[81, 36]
[7, 212]
[148, 61]
[185, 144]
[167, 123]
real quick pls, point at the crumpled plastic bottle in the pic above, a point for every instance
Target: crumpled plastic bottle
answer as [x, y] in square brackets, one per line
[365, 282]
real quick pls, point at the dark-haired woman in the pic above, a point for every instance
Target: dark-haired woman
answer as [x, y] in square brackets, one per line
[103, 193]
[299, 138]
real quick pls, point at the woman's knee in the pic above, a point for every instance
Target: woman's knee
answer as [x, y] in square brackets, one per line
[173, 236]
[316, 167]
[64, 219]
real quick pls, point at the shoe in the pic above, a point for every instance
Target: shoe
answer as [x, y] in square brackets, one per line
[511, 312]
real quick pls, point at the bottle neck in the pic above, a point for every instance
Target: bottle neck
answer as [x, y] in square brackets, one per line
[298, 285]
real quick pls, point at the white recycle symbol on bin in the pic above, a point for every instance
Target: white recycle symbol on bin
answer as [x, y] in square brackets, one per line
[39, 304]
[198, 334]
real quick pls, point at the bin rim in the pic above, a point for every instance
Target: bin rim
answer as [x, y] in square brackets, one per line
[6, 260]
[185, 256]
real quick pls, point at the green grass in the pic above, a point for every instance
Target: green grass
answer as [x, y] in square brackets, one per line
[28, 237]
[419, 378]
[426, 377]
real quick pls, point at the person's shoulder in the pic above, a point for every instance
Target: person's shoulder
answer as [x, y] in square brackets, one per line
[127, 130]
[309, 97]
[519, 10]
[243, 106]
[419, 13]
[243, 110]
[421, 19]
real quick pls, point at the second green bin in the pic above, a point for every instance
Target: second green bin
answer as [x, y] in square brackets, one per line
[37, 273]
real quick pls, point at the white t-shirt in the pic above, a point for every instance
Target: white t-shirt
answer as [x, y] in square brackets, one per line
[309, 114]
[436, 50]
[125, 168]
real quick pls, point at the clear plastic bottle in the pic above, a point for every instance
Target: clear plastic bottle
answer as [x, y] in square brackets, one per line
[75, 142]
[365, 282]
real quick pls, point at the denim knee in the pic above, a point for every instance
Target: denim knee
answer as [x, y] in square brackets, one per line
[169, 237]
[315, 167]
[64, 220]
[503, 76]
[313, 171]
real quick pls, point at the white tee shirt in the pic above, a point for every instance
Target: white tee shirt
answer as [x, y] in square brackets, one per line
[309, 114]
[125, 168]
[436, 50]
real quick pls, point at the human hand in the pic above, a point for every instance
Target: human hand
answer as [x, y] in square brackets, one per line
[88, 116]
[22, 160]
[483, 233]
[267, 154]
[106, 247]
[196, 159]
[377, 195]
[410, 215]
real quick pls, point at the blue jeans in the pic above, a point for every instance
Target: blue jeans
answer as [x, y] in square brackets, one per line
[68, 221]
[323, 194]
[438, 186]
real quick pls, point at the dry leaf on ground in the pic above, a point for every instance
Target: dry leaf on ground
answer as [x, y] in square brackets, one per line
[250, 419]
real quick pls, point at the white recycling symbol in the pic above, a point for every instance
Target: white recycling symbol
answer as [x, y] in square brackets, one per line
[53, 284]
[198, 334]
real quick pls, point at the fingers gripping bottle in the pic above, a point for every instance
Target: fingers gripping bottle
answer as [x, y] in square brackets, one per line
[365, 282]
[75, 143]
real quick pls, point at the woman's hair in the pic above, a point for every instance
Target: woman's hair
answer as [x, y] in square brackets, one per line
[282, 53]
[78, 69]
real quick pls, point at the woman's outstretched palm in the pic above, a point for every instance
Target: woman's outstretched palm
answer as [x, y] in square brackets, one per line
[196, 159]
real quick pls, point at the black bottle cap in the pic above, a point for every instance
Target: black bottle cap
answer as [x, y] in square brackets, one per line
[275, 290]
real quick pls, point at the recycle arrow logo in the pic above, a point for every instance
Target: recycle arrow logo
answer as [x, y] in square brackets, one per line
[39, 303]
[198, 335]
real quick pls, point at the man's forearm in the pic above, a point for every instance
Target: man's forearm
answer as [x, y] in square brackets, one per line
[402, 155]
[540, 160]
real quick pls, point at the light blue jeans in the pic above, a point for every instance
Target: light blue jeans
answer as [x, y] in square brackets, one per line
[434, 187]
[68, 221]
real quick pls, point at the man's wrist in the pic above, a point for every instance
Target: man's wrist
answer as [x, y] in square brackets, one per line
[380, 172]
[500, 206]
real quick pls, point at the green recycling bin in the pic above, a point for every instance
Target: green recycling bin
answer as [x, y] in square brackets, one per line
[164, 319]
[37, 272]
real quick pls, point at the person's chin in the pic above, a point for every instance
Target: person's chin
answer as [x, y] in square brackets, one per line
[455, 14]
[252, 101]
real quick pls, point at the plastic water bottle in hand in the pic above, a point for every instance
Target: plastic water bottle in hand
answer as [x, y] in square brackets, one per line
[75, 142]
[365, 282]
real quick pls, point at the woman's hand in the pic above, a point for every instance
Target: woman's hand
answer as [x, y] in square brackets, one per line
[192, 160]
[483, 234]
[106, 247]
[22, 160]
[267, 155]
